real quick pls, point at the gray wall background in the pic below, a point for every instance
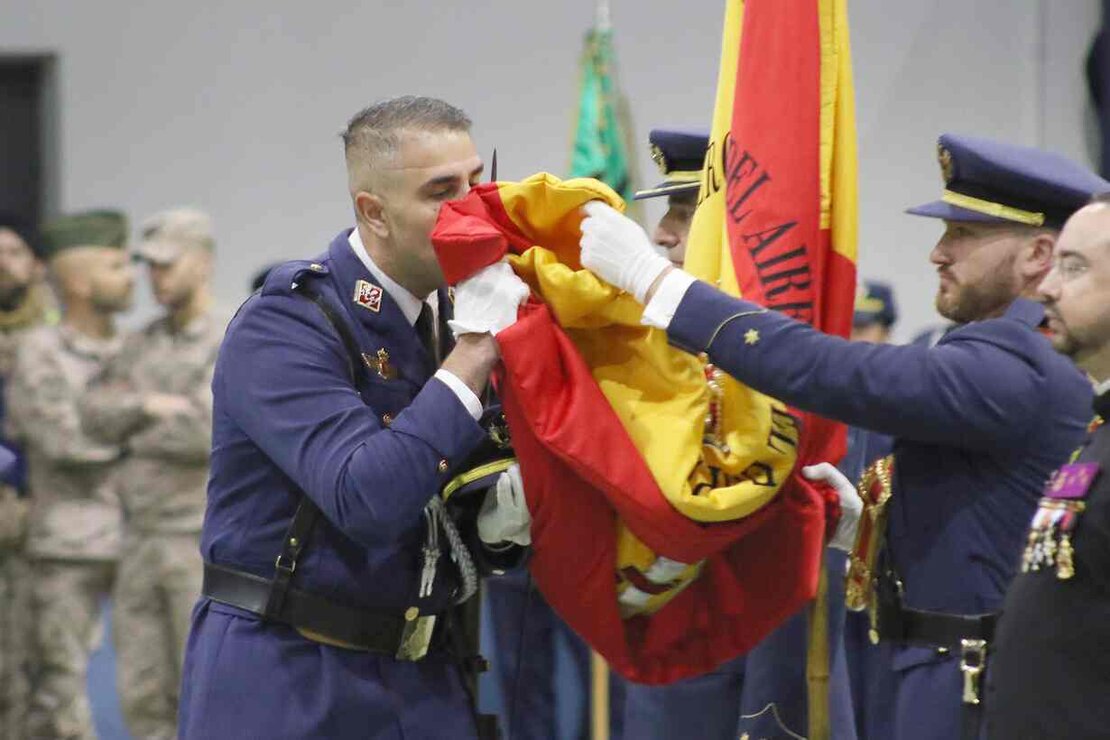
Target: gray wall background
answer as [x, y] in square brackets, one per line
[236, 106]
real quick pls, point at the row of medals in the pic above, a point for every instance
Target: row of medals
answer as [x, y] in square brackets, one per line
[1049, 542]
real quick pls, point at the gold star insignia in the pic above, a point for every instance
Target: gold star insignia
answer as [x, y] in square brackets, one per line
[751, 336]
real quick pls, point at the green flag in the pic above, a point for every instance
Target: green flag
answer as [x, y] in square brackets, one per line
[601, 134]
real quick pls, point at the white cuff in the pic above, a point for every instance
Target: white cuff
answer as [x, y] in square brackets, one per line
[462, 390]
[661, 308]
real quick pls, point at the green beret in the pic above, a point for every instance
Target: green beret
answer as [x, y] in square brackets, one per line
[87, 229]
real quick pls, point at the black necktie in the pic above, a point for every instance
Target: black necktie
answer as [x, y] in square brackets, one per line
[426, 331]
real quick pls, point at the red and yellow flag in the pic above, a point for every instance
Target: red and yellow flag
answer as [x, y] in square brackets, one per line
[669, 527]
[777, 212]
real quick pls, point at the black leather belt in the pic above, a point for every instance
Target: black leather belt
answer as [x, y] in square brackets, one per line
[313, 616]
[968, 636]
[937, 628]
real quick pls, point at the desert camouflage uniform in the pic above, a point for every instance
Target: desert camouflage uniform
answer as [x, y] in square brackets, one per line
[74, 527]
[161, 483]
[14, 582]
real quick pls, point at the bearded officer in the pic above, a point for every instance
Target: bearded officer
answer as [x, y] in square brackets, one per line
[980, 420]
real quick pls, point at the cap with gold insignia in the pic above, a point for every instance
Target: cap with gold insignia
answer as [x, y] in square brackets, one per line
[679, 153]
[992, 181]
[100, 228]
[874, 305]
[166, 235]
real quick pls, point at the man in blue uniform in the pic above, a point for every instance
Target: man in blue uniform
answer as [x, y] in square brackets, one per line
[331, 565]
[980, 420]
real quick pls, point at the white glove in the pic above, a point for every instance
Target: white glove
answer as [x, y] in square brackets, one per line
[618, 251]
[487, 301]
[851, 505]
[504, 514]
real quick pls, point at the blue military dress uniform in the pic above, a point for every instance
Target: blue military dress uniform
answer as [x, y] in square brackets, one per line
[288, 421]
[979, 420]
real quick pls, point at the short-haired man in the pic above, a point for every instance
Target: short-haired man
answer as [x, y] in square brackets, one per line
[1050, 673]
[74, 530]
[330, 565]
[154, 400]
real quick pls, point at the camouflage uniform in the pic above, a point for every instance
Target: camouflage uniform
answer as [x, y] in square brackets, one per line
[162, 484]
[74, 530]
[14, 582]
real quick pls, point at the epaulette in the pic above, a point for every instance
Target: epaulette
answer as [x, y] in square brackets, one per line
[283, 279]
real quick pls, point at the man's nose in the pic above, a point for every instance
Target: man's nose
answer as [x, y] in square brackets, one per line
[664, 237]
[1049, 289]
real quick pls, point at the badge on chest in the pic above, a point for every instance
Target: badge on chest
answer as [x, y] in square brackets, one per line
[1049, 542]
[379, 363]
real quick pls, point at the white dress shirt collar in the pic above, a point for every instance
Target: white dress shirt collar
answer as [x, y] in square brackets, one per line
[410, 305]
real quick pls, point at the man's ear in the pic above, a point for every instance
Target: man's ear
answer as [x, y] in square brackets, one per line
[1038, 255]
[206, 265]
[371, 213]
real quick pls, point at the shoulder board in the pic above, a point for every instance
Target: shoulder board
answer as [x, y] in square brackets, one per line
[281, 279]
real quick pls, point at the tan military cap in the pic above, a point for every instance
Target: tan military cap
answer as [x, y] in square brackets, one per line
[166, 235]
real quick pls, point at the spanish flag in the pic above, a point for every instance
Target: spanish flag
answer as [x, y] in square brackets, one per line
[669, 529]
[777, 211]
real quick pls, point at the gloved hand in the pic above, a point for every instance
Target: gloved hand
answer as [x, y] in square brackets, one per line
[487, 302]
[618, 251]
[851, 505]
[504, 514]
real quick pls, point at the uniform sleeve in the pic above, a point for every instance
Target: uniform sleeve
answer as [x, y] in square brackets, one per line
[187, 435]
[973, 391]
[42, 407]
[111, 410]
[282, 377]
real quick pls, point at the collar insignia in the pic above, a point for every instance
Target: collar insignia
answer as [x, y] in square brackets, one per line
[368, 295]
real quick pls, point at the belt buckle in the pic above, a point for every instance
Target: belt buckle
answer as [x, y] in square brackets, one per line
[416, 635]
[973, 658]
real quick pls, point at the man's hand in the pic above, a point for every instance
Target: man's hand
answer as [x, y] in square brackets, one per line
[488, 301]
[504, 514]
[851, 505]
[472, 360]
[618, 251]
[165, 405]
